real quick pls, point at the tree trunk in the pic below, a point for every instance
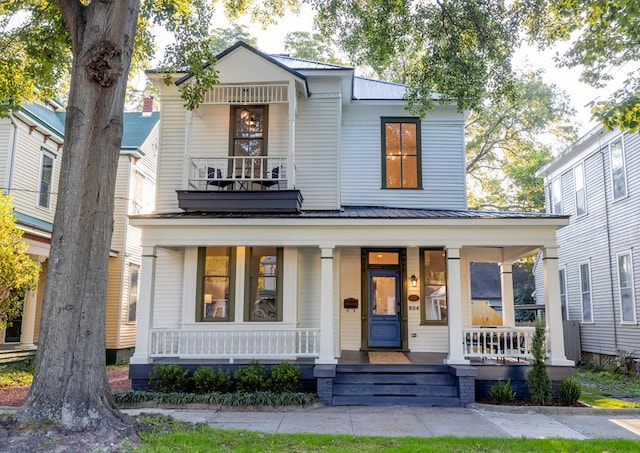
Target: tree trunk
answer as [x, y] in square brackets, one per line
[70, 384]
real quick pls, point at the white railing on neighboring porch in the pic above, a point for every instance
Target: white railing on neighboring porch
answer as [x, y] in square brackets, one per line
[232, 344]
[238, 173]
[498, 342]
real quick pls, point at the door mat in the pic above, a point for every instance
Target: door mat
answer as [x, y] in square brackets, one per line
[387, 357]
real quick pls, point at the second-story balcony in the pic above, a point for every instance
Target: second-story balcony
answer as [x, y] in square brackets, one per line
[240, 183]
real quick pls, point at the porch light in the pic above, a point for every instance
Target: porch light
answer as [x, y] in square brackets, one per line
[414, 281]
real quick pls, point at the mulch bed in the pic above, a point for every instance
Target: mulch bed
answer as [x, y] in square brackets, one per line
[15, 395]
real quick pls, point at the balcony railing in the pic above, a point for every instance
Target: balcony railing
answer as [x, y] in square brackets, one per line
[235, 344]
[238, 173]
[498, 342]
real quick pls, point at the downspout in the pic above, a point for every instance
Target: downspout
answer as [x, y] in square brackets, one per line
[606, 218]
[13, 145]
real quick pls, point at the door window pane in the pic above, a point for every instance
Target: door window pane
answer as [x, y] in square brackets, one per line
[384, 296]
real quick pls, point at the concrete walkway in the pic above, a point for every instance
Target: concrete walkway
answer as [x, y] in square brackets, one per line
[476, 421]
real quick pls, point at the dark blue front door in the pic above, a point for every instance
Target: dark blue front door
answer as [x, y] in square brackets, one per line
[384, 309]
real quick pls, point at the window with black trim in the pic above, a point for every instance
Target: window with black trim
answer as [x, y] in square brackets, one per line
[264, 284]
[215, 279]
[248, 129]
[401, 149]
[433, 268]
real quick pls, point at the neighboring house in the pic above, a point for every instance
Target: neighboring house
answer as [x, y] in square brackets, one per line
[31, 148]
[597, 182]
[304, 214]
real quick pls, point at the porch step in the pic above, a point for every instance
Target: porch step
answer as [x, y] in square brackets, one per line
[395, 385]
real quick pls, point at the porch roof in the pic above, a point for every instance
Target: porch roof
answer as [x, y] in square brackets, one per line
[360, 212]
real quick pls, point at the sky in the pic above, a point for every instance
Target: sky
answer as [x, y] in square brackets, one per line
[271, 40]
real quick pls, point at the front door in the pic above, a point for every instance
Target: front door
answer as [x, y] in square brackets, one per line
[384, 309]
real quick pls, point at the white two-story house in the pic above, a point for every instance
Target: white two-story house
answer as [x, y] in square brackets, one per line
[597, 182]
[304, 214]
[31, 149]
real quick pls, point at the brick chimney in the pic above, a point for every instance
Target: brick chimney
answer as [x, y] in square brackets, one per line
[147, 106]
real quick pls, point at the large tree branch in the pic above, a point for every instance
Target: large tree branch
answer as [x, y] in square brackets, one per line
[73, 13]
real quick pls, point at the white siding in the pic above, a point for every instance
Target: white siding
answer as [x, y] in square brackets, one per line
[26, 177]
[171, 159]
[5, 150]
[350, 320]
[210, 131]
[443, 161]
[317, 135]
[608, 228]
[168, 290]
[308, 287]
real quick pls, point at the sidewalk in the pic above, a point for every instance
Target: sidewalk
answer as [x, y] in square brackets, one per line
[477, 421]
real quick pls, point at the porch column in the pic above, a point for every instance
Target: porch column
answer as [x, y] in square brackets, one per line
[291, 174]
[326, 307]
[454, 300]
[145, 306]
[29, 312]
[506, 281]
[553, 308]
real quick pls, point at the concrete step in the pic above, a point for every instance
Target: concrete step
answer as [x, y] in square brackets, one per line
[393, 400]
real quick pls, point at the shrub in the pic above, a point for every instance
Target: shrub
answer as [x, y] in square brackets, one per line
[169, 378]
[206, 380]
[285, 377]
[538, 380]
[502, 392]
[252, 378]
[570, 390]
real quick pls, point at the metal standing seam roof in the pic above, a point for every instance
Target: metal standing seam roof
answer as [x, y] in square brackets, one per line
[369, 89]
[301, 63]
[45, 116]
[136, 126]
[361, 212]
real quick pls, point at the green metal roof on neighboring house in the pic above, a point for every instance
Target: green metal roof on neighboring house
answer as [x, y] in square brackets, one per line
[27, 220]
[45, 116]
[137, 126]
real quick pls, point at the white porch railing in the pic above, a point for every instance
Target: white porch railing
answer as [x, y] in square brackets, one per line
[238, 173]
[232, 344]
[247, 94]
[498, 342]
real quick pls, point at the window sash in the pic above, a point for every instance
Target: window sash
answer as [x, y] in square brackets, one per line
[401, 153]
[581, 195]
[46, 179]
[618, 171]
[585, 291]
[215, 289]
[433, 275]
[563, 293]
[134, 276]
[625, 286]
[249, 130]
[556, 197]
[263, 288]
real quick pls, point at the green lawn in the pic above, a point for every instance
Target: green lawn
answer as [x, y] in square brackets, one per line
[201, 438]
[603, 389]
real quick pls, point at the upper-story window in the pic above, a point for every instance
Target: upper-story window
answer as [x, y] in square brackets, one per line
[401, 153]
[46, 180]
[556, 196]
[248, 129]
[137, 193]
[618, 171]
[581, 193]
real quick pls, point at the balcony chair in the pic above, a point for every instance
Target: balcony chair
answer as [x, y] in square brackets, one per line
[271, 181]
[214, 178]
